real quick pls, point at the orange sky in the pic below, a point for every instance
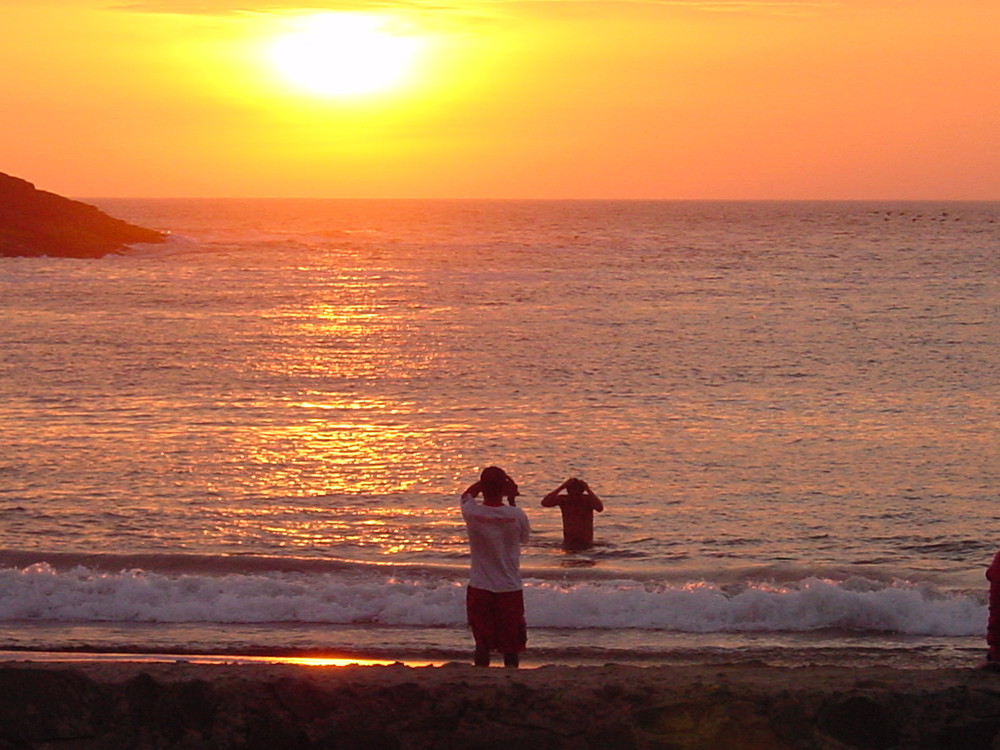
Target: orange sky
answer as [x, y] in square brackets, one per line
[755, 99]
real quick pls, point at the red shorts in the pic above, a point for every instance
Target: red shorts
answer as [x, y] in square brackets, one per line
[497, 620]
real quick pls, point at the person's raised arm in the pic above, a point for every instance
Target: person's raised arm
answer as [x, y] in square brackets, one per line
[595, 501]
[552, 499]
[474, 489]
[511, 491]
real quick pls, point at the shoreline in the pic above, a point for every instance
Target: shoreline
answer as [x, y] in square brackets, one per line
[421, 646]
[111, 703]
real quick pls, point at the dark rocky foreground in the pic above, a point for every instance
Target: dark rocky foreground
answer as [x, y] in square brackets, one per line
[283, 707]
[35, 223]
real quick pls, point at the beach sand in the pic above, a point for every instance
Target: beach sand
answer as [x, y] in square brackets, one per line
[105, 705]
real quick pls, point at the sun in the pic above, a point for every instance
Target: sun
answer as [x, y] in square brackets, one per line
[343, 55]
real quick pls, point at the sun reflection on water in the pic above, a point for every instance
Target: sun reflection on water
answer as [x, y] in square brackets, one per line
[360, 464]
[386, 530]
[356, 337]
[323, 662]
[329, 443]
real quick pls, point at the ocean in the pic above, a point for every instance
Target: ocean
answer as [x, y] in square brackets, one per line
[251, 440]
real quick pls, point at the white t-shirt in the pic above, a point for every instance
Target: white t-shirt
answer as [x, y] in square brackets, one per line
[496, 533]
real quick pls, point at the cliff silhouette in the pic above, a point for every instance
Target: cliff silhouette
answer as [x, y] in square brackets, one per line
[35, 223]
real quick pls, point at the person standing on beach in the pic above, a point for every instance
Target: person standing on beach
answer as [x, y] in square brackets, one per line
[494, 599]
[993, 625]
[577, 502]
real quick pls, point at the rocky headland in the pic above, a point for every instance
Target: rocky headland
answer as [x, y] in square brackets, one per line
[37, 223]
[456, 707]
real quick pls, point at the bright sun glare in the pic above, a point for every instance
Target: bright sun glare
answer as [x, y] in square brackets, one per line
[343, 54]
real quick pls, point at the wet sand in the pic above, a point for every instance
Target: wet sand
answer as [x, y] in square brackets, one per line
[111, 704]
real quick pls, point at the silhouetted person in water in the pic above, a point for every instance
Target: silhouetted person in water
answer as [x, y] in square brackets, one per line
[577, 502]
[494, 600]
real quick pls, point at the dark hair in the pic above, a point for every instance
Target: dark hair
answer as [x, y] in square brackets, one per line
[575, 485]
[494, 477]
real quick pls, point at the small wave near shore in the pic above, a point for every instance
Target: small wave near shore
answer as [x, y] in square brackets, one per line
[211, 590]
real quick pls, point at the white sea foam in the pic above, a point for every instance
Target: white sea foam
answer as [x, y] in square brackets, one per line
[41, 593]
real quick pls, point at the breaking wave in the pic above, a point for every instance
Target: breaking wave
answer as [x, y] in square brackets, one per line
[40, 592]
